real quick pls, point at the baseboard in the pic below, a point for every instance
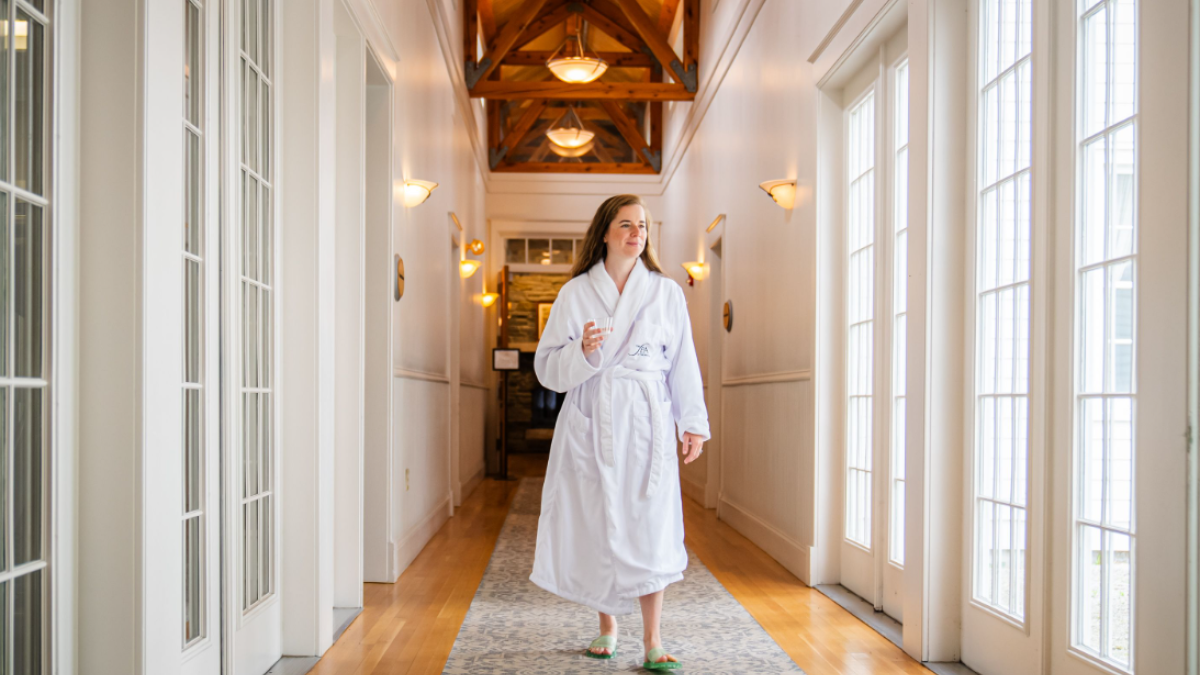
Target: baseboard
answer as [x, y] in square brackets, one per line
[693, 490]
[465, 489]
[414, 542]
[787, 551]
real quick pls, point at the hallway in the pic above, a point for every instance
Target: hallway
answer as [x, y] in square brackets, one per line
[299, 300]
[411, 626]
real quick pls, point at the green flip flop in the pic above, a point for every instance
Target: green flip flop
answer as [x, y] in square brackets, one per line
[653, 657]
[608, 642]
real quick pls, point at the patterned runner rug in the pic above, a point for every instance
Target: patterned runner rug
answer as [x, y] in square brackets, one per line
[515, 627]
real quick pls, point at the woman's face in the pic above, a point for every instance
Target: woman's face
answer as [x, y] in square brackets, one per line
[626, 236]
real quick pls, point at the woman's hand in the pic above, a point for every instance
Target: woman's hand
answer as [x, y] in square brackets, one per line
[693, 445]
[592, 338]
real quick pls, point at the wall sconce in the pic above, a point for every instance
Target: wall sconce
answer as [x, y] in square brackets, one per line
[488, 299]
[782, 191]
[417, 191]
[466, 268]
[696, 271]
[475, 247]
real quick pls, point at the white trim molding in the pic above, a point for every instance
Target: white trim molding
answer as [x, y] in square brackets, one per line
[790, 553]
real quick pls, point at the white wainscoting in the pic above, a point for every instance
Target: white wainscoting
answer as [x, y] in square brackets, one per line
[422, 439]
[766, 465]
[472, 416]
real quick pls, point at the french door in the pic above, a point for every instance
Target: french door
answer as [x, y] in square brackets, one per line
[874, 330]
[251, 519]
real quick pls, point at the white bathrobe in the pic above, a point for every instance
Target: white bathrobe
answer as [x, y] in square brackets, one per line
[611, 527]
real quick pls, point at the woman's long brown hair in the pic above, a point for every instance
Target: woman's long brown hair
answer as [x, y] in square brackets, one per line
[594, 248]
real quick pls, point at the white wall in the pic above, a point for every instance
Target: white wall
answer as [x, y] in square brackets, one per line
[430, 143]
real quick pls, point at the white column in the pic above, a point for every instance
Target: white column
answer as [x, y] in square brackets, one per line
[307, 141]
[131, 196]
[938, 58]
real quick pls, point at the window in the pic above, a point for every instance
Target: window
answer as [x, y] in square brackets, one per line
[24, 339]
[1105, 316]
[257, 299]
[1002, 305]
[899, 312]
[860, 311]
[193, 507]
[541, 251]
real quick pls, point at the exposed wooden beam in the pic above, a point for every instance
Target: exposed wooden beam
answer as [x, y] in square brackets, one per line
[493, 119]
[538, 57]
[470, 30]
[658, 44]
[691, 33]
[562, 91]
[614, 14]
[612, 28]
[583, 167]
[629, 129]
[504, 42]
[666, 18]
[602, 133]
[656, 126]
[487, 20]
[553, 14]
[514, 137]
[597, 147]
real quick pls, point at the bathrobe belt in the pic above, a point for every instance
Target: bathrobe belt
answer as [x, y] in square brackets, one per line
[603, 411]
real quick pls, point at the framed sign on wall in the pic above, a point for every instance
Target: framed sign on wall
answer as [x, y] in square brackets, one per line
[506, 359]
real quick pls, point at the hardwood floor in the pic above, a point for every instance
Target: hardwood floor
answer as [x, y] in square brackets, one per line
[409, 627]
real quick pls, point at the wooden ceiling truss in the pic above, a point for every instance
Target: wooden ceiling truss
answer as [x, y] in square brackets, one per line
[625, 116]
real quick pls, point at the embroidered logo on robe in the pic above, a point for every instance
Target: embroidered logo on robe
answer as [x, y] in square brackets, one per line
[640, 350]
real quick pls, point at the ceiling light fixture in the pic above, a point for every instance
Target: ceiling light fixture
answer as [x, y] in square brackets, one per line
[577, 68]
[782, 191]
[568, 131]
[572, 152]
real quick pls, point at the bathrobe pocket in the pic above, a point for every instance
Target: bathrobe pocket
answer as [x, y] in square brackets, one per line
[578, 444]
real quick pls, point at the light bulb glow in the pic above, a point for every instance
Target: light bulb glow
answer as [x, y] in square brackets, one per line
[696, 270]
[572, 152]
[417, 191]
[489, 299]
[468, 267]
[783, 192]
[570, 137]
[577, 69]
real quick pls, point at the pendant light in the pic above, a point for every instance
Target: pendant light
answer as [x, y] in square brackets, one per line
[578, 69]
[572, 152]
[568, 131]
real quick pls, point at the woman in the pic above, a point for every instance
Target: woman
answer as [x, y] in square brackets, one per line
[611, 528]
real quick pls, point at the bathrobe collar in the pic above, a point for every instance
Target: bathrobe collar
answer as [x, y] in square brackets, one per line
[622, 306]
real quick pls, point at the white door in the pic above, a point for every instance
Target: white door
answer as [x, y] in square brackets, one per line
[1119, 485]
[875, 135]
[252, 603]
[201, 396]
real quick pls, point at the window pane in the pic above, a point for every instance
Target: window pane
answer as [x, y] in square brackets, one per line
[1117, 610]
[1119, 496]
[29, 120]
[265, 133]
[193, 415]
[29, 263]
[4, 88]
[266, 236]
[561, 252]
[28, 475]
[1122, 202]
[1090, 598]
[514, 251]
[193, 327]
[192, 64]
[6, 253]
[192, 223]
[193, 597]
[539, 251]
[29, 623]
